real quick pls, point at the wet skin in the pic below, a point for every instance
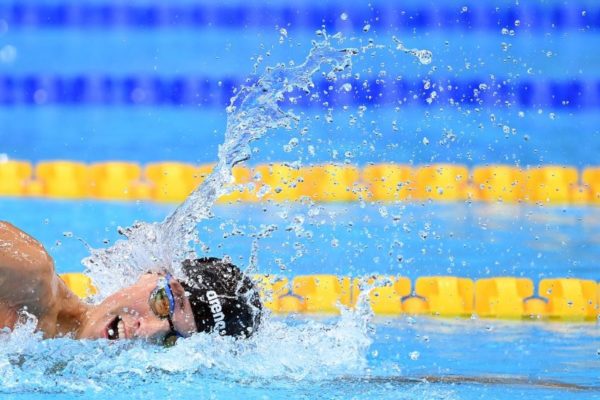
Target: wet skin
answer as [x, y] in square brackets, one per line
[28, 282]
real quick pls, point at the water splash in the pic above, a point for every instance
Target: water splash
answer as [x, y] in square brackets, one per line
[253, 111]
[424, 56]
[314, 351]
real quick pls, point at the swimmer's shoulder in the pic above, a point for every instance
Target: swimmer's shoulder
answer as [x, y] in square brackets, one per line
[16, 246]
[24, 262]
[28, 281]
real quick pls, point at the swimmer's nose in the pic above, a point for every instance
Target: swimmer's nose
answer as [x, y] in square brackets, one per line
[152, 328]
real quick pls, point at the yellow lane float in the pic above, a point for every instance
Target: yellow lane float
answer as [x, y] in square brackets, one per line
[562, 299]
[386, 182]
[115, 180]
[172, 181]
[550, 184]
[331, 183]
[445, 295]
[243, 187]
[570, 298]
[317, 293]
[444, 182]
[502, 297]
[387, 299]
[80, 284]
[284, 183]
[61, 179]
[499, 183]
[591, 181]
[13, 177]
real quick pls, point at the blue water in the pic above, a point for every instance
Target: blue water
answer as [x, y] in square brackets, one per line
[470, 240]
[465, 240]
[108, 73]
[148, 81]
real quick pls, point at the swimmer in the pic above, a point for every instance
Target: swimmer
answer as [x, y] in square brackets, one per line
[212, 296]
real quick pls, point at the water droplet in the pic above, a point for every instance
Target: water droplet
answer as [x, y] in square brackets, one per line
[344, 16]
[265, 189]
[431, 97]
[414, 355]
[291, 145]
[425, 141]
[424, 56]
[68, 234]
[366, 28]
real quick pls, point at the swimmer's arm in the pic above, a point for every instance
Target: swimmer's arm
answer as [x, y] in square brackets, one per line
[26, 270]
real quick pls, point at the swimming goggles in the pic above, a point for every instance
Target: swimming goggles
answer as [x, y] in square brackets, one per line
[162, 304]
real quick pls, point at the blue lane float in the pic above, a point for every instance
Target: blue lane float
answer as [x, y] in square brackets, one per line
[382, 16]
[133, 90]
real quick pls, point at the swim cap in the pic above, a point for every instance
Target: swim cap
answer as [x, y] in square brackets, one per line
[223, 299]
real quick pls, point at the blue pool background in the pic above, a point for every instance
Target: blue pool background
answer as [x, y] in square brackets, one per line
[474, 241]
[148, 81]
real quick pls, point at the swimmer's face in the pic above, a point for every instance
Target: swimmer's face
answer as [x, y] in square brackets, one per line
[127, 314]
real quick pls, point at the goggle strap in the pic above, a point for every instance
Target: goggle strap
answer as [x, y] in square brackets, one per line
[170, 295]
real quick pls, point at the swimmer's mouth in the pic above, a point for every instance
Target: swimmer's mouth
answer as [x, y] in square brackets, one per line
[116, 329]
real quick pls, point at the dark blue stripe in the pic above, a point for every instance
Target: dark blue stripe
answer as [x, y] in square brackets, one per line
[37, 90]
[476, 16]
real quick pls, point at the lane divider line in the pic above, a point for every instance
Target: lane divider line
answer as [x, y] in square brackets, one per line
[277, 182]
[560, 299]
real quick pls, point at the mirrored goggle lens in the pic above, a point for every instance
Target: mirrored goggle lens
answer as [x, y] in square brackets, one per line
[159, 303]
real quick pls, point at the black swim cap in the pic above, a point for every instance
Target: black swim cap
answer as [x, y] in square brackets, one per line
[223, 299]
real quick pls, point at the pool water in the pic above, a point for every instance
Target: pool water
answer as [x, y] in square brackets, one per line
[147, 81]
[86, 71]
[332, 357]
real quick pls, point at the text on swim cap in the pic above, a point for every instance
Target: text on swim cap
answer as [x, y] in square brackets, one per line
[216, 310]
